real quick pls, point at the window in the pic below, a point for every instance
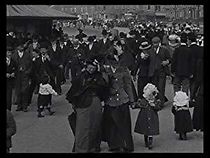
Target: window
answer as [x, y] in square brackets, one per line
[75, 10]
[148, 7]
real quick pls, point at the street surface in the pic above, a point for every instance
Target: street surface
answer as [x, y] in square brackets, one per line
[52, 134]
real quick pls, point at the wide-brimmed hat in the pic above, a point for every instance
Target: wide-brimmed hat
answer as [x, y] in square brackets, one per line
[155, 40]
[144, 45]
[91, 39]
[181, 99]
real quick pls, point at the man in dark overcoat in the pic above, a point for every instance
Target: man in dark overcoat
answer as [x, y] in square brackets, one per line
[103, 45]
[158, 68]
[195, 51]
[57, 59]
[33, 49]
[182, 66]
[92, 48]
[43, 65]
[78, 60]
[23, 61]
[10, 75]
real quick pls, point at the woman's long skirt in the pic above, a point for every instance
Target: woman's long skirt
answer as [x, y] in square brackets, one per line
[117, 127]
[88, 127]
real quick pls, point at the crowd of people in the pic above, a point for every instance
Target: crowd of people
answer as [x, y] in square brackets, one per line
[103, 72]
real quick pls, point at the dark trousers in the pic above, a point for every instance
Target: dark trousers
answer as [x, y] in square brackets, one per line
[181, 83]
[32, 87]
[194, 85]
[142, 82]
[59, 79]
[159, 80]
[22, 99]
[9, 95]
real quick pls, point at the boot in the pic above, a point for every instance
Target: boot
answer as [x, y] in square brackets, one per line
[180, 136]
[185, 136]
[150, 143]
[40, 112]
[50, 112]
[146, 141]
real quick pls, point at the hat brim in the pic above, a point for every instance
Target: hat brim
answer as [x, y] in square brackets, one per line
[143, 48]
[173, 44]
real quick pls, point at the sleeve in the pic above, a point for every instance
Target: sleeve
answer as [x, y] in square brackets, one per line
[128, 85]
[11, 125]
[167, 55]
[51, 90]
[173, 61]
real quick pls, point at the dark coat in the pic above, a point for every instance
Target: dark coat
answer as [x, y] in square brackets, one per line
[22, 76]
[147, 122]
[121, 90]
[142, 65]
[198, 110]
[43, 68]
[182, 63]
[103, 47]
[156, 60]
[92, 53]
[11, 128]
[195, 51]
[11, 68]
[84, 87]
[182, 120]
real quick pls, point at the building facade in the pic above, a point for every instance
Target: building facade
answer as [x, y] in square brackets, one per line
[116, 11]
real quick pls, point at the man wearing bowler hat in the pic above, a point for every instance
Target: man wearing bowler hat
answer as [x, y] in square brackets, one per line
[23, 61]
[91, 49]
[103, 45]
[43, 66]
[158, 68]
[143, 67]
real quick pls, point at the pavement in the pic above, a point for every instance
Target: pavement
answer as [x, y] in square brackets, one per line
[52, 134]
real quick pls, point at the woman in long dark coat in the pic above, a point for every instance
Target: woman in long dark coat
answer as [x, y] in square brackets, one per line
[116, 117]
[86, 96]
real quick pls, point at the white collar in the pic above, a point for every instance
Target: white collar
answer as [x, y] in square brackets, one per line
[183, 44]
[193, 43]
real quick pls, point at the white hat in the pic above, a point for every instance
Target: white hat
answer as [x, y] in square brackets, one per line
[149, 89]
[181, 99]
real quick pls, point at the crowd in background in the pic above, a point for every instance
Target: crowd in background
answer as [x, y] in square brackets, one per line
[148, 53]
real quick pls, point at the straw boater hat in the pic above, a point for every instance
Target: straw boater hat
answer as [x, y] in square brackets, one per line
[144, 45]
[181, 99]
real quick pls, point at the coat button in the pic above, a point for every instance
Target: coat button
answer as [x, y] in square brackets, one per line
[117, 98]
[149, 127]
[117, 94]
[116, 79]
[149, 118]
